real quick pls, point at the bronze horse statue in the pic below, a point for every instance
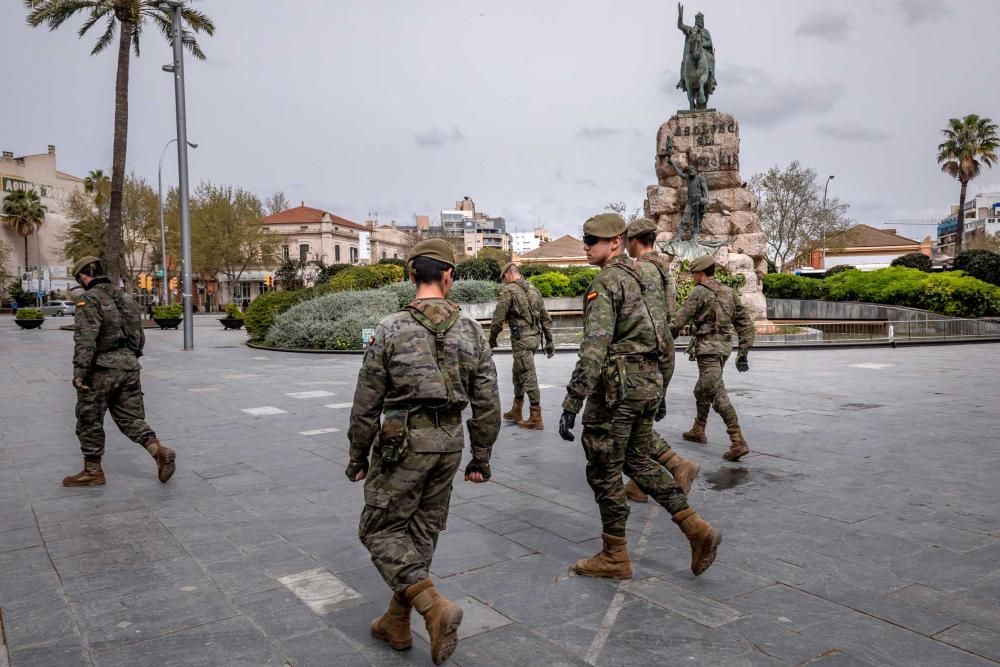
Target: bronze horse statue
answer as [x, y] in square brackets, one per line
[697, 70]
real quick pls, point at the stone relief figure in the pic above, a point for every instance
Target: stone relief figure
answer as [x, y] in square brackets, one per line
[697, 195]
[698, 63]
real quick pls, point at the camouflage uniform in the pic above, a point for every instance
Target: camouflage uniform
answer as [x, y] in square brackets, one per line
[414, 365]
[660, 446]
[715, 310]
[620, 374]
[104, 362]
[520, 305]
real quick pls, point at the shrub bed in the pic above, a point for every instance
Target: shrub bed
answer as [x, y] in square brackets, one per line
[262, 311]
[982, 264]
[952, 293]
[366, 277]
[914, 260]
[29, 314]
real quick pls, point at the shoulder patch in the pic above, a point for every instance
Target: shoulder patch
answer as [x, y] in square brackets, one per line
[81, 303]
[591, 295]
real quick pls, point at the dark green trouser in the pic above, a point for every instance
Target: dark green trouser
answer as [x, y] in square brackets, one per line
[710, 390]
[617, 440]
[525, 378]
[119, 392]
[406, 508]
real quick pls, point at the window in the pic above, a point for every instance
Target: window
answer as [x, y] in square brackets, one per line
[395, 255]
[354, 255]
[383, 254]
[336, 253]
[284, 252]
[304, 228]
[303, 252]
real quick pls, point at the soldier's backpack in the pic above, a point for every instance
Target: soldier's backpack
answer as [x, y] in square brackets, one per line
[439, 329]
[132, 335]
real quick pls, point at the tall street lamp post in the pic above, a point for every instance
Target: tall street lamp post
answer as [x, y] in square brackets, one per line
[163, 234]
[177, 69]
[827, 185]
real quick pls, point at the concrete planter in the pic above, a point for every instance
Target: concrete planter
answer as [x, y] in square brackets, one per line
[168, 322]
[29, 324]
[231, 323]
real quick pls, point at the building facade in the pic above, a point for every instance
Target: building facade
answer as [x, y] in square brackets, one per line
[45, 267]
[564, 251]
[522, 242]
[310, 234]
[982, 217]
[864, 247]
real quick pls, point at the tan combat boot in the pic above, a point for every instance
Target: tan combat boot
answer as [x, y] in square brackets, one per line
[737, 445]
[534, 419]
[394, 625]
[613, 561]
[516, 412]
[441, 616]
[634, 493]
[91, 475]
[704, 539]
[697, 432]
[683, 471]
[165, 459]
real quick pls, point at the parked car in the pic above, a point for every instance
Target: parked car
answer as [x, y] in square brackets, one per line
[59, 308]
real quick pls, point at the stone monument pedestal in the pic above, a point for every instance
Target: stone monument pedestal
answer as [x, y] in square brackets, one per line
[711, 139]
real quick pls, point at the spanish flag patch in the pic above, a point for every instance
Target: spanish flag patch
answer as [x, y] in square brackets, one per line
[80, 304]
[591, 295]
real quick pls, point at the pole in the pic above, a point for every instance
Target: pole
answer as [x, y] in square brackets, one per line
[182, 169]
[827, 185]
[163, 233]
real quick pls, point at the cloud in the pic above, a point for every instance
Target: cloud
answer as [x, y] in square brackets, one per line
[916, 12]
[859, 133]
[756, 98]
[832, 27]
[587, 182]
[601, 132]
[436, 137]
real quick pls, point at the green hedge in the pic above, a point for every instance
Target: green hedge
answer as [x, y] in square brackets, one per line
[952, 293]
[982, 264]
[366, 277]
[914, 260]
[262, 311]
[168, 312]
[29, 314]
[479, 269]
[551, 284]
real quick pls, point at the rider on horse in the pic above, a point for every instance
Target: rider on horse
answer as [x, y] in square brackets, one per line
[709, 49]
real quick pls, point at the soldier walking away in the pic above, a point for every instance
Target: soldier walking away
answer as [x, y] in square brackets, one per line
[521, 306]
[423, 366]
[715, 310]
[641, 246]
[619, 375]
[107, 342]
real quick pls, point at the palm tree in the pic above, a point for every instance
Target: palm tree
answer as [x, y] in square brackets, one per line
[970, 142]
[97, 184]
[24, 213]
[128, 17]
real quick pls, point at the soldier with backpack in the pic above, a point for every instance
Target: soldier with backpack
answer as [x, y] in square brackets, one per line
[108, 341]
[423, 366]
[520, 305]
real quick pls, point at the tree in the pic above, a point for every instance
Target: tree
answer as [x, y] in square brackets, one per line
[98, 185]
[87, 228]
[5, 252]
[969, 143]
[621, 209]
[497, 255]
[128, 17]
[989, 242]
[276, 203]
[914, 260]
[24, 212]
[792, 212]
[226, 220]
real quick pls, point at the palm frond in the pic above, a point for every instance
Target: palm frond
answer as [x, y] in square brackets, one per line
[107, 38]
[56, 12]
[96, 14]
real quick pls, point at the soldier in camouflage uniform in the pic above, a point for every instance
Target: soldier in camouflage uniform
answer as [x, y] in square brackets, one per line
[108, 339]
[714, 310]
[641, 245]
[520, 305]
[619, 374]
[423, 366]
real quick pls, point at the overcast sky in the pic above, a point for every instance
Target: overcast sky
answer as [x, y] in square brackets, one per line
[540, 110]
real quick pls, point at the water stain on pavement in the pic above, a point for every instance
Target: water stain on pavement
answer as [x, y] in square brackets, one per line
[727, 478]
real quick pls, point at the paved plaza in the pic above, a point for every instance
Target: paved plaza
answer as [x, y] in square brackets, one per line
[864, 529]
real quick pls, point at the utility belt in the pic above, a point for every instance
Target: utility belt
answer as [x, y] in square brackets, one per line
[394, 439]
[637, 363]
[431, 418]
[632, 377]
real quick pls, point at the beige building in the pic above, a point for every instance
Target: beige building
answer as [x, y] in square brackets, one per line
[314, 234]
[564, 251]
[388, 242]
[39, 173]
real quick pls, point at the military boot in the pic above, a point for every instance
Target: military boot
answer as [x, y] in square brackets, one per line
[91, 475]
[441, 616]
[613, 560]
[534, 419]
[697, 432]
[704, 539]
[394, 625]
[165, 458]
[683, 471]
[634, 493]
[738, 447]
[516, 412]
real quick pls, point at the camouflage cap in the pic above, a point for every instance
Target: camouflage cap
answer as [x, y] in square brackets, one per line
[83, 262]
[702, 263]
[640, 226]
[604, 226]
[508, 266]
[438, 249]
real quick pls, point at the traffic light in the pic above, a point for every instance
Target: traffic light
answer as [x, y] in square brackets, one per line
[145, 281]
[269, 282]
[173, 283]
[149, 281]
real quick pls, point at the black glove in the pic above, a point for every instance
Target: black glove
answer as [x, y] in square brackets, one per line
[661, 411]
[80, 383]
[550, 350]
[742, 365]
[493, 343]
[566, 424]
[354, 467]
[482, 467]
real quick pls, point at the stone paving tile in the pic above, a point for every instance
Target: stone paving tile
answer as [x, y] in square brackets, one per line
[66, 652]
[792, 608]
[512, 645]
[322, 649]
[677, 599]
[777, 641]
[279, 614]
[974, 639]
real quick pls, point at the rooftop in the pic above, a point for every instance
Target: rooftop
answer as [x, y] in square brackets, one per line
[306, 214]
[866, 236]
[566, 246]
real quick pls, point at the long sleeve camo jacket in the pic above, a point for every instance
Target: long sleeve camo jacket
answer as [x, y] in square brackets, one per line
[520, 305]
[400, 371]
[97, 331]
[717, 314]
